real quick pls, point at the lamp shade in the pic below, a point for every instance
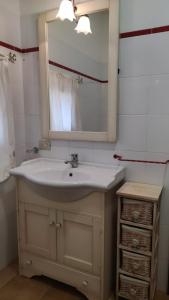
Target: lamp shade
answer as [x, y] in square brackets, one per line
[66, 11]
[83, 25]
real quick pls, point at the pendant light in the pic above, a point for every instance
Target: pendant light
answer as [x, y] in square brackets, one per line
[83, 25]
[66, 11]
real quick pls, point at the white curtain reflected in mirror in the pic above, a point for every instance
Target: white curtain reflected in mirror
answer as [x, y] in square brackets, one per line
[78, 75]
[64, 103]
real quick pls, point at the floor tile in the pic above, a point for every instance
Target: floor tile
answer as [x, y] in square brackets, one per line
[8, 274]
[21, 288]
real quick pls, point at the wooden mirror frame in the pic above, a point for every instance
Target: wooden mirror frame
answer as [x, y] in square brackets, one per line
[82, 8]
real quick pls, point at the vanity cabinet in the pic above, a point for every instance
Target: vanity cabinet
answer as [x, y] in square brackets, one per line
[71, 241]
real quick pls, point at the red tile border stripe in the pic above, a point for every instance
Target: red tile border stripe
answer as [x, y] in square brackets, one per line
[123, 35]
[29, 50]
[160, 29]
[17, 49]
[10, 47]
[144, 32]
[135, 33]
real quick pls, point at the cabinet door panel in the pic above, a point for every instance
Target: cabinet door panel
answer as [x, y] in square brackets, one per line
[78, 240]
[37, 235]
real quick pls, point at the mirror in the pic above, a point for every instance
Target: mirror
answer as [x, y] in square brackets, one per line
[78, 74]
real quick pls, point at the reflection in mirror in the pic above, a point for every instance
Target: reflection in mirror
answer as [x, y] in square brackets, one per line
[78, 75]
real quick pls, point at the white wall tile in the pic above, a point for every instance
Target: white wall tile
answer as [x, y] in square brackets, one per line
[133, 95]
[158, 102]
[154, 174]
[60, 150]
[136, 14]
[158, 133]
[137, 57]
[135, 172]
[33, 130]
[132, 133]
[31, 84]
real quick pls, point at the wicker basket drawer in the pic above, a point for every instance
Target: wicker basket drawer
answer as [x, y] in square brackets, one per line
[136, 264]
[133, 289]
[135, 238]
[137, 211]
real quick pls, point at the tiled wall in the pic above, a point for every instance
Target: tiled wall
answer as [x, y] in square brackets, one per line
[143, 119]
[10, 33]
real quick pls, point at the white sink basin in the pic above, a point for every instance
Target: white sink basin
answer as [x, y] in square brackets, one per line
[50, 172]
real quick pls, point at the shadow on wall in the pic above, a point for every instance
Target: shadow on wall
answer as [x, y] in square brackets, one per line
[8, 231]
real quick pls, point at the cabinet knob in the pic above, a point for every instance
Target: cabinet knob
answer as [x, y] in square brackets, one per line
[135, 215]
[133, 292]
[28, 262]
[136, 266]
[58, 225]
[135, 243]
[52, 223]
[85, 283]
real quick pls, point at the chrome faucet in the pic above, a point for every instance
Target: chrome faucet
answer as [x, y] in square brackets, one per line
[74, 162]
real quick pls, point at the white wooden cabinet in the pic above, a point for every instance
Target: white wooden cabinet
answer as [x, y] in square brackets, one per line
[72, 242]
[79, 240]
[37, 235]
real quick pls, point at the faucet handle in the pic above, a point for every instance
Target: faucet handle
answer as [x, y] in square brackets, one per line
[75, 156]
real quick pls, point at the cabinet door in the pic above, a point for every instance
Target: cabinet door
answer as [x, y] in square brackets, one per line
[79, 241]
[37, 230]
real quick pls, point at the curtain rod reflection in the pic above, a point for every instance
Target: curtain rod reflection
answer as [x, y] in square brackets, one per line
[55, 64]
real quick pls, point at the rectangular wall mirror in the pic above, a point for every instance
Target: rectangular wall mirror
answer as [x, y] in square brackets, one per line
[79, 73]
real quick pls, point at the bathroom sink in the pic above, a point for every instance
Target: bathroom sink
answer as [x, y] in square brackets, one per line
[50, 172]
[62, 177]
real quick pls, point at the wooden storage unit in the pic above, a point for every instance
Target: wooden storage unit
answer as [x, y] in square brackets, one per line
[137, 240]
[73, 242]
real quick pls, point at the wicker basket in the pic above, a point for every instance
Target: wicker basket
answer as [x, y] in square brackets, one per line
[136, 264]
[135, 238]
[133, 289]
[137, 211]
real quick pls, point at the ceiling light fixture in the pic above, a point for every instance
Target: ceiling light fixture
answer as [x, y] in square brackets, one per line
[83, 25]
[67, 11]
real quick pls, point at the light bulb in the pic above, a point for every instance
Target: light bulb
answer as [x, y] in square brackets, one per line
[66, 11]
[83, 25]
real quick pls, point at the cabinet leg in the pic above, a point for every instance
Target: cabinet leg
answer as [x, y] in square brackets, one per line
[28, 272]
